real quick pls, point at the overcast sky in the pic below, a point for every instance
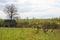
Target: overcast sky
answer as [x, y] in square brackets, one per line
[33, 8]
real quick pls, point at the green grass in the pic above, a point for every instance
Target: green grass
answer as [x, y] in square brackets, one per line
[27, 34]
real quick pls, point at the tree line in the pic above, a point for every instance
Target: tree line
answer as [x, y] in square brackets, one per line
[36, 23]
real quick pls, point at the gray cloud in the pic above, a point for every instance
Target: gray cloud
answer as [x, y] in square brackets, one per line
[25, 10]
[3, 1]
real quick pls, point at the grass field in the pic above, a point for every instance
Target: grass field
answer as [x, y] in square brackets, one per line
[27, 34]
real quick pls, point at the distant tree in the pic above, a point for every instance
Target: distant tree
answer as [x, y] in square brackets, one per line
[33, 19]
[11, 11]
[16, 18]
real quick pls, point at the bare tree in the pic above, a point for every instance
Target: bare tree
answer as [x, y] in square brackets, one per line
[11, 11]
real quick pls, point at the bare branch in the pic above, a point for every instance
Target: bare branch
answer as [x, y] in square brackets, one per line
[11, 10]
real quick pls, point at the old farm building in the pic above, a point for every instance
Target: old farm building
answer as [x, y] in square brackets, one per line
[10, 23]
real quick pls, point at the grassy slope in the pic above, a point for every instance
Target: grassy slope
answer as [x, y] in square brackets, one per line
[27, 34]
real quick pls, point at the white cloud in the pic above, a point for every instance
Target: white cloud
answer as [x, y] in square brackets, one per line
[2, 15]
[47, 13]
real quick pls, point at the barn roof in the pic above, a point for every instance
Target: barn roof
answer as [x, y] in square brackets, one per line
[9, 21]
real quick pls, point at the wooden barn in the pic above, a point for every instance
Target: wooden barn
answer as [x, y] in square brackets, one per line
[10, 23]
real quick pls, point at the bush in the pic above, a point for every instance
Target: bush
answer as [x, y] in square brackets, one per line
[49, 25]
